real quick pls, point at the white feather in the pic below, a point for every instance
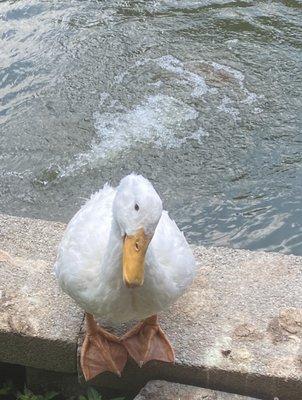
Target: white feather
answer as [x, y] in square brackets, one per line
[89, 261]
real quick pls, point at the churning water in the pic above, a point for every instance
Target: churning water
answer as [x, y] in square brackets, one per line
[202, 97]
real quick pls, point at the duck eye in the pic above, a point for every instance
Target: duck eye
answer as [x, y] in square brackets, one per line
[136, 207]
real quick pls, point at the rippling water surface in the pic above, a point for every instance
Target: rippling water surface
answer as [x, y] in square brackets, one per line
[202, 97]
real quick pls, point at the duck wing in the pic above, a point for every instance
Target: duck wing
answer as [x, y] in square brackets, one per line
[84, 243]
[171, 258]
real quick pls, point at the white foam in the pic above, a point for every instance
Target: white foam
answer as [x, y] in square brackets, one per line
[226, 106]
[250, 97]
[172, 64]
[198, 135]
[187, 4]
[177, 68]
[232, 43]
[234, 72]
[160, 120]
[196, 82]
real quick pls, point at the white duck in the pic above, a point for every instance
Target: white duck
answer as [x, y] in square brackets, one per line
[122, 258]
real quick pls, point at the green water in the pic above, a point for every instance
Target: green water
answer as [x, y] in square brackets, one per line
[202, 97]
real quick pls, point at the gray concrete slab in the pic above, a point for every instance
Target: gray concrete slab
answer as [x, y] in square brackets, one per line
[238, 329]
[39, 325]
[162, 390]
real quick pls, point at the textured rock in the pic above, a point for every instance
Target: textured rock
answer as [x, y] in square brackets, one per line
[39, 326]
[161, 390]
[238, 329]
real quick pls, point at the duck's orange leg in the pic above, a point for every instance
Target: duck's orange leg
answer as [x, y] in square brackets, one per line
[146, 342]
[101, 351]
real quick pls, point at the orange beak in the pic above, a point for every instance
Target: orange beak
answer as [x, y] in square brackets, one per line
[134, 251]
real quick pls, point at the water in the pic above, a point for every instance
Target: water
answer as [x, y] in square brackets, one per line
[202, 97]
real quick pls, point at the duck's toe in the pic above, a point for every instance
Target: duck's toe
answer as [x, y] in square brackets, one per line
[102, 352]
[147, 341]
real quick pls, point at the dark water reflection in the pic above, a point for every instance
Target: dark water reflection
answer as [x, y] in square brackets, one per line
[202, 97]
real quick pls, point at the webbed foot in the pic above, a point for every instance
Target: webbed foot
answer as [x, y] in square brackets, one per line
[147, 341]
[101, 351]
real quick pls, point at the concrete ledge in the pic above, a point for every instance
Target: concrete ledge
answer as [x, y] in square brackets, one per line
[239, 328]
[161, 390]
[39, 325]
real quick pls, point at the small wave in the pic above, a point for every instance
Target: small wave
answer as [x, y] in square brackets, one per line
[174, 65]
[249, 97]
[226, 107]
[231, 71]
[197, 74]
[177, 67]
[160, 120]
[187, 4]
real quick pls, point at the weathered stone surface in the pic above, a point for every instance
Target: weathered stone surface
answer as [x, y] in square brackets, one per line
[30, 238]
[238, 329]
[162, 390]
[39, 325]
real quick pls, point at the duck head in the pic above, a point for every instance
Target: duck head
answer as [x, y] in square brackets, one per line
[137, 209]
